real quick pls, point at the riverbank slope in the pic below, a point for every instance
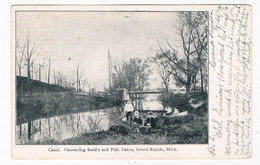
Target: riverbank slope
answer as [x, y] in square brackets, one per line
[35, 99]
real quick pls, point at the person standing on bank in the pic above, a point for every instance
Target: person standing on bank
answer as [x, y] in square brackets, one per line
[128, 110]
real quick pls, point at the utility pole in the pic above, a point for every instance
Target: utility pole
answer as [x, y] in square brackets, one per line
[77, 79]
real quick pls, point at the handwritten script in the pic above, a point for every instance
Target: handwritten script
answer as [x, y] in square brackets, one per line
[230, 82]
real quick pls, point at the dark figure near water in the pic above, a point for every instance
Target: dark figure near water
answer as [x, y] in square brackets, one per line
[150, 121]
[138, 121]
[128, 109]
[129, 116]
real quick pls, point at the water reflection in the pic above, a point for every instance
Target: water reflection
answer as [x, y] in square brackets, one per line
[62, 127]
[59, 128]
[147, 102]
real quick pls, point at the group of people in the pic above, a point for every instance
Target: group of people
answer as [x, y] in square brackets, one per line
[134, 117]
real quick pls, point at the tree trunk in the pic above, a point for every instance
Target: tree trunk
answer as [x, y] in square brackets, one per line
[79, 85]
[188, 84]
[32, 71]
[194, 83]
[39, 73]
[167, 89]
[187, 87]
[188, 76]
[166, 85]
[205, 85]
[28, 71]
[20, 71]
[77, 81]
[49, 73]
[201, 80]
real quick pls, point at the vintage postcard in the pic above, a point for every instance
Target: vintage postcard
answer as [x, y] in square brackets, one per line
[131, 82]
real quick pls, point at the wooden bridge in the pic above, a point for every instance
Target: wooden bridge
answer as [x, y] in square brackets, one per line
[136, 94]
[143, 92]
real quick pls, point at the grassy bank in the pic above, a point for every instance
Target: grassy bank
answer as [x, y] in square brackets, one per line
[36, 105]
[192, 130]
[189, 130]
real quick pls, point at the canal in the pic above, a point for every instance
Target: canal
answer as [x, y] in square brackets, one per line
[59, 128]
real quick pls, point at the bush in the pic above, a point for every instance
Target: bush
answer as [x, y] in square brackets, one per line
[178, 120]
[121, 129]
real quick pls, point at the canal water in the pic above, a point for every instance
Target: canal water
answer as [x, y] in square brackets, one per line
[59, 128]
[63, 127]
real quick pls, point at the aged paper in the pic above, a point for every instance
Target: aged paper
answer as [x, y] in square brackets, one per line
[131, 82]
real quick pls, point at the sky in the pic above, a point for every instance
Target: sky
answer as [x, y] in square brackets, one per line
[83, 38]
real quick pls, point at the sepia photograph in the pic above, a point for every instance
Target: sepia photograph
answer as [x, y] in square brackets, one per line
[111, 77]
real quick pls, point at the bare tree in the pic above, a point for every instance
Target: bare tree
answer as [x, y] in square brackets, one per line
[187, 25]
[49, 69]
[200, 43]
[19, 56]
[41, 66]
[119, 75]
[79, 73]
[30, 55]
[77, 81]
[60, 78]
[180, 68]
[184, 62]
[163, 69]
[40, 70]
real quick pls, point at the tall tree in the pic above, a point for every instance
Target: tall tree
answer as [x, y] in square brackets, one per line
[200, 43]
[19, 56]
[119, 75]
[132, 75]
[182, 57]
[79, 73]
[77, 79]
[31, 54]
[49, 69]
